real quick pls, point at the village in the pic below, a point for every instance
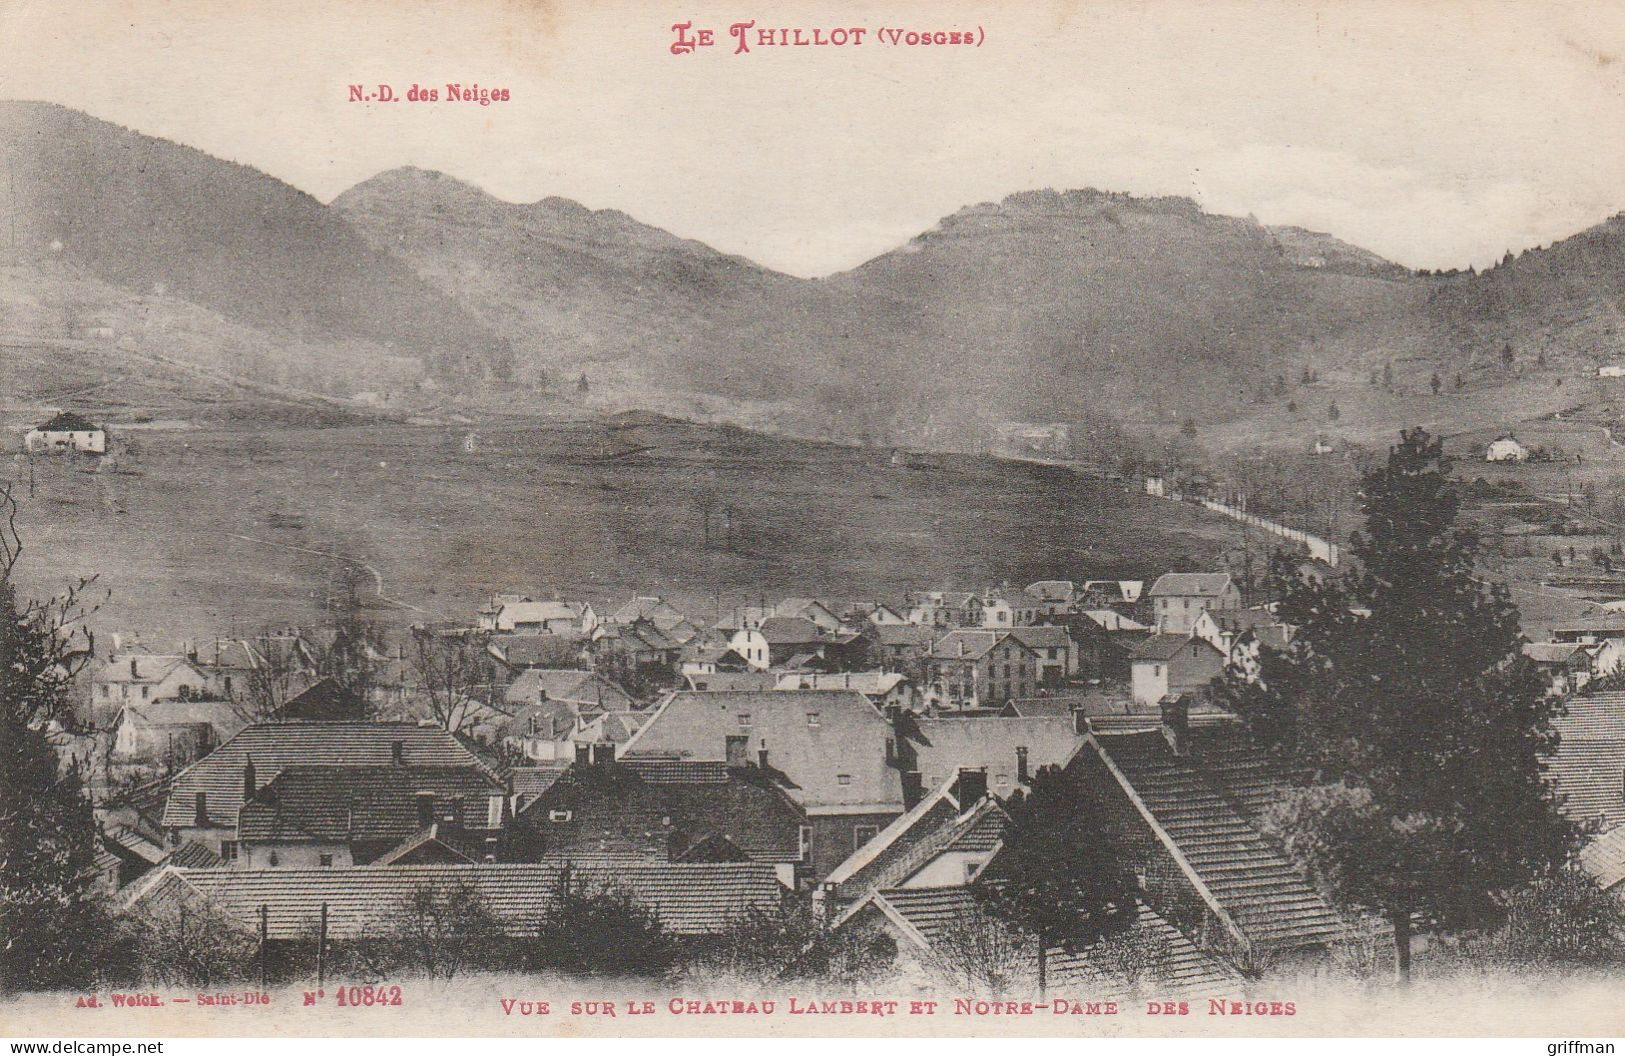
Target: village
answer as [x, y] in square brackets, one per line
[858, 760]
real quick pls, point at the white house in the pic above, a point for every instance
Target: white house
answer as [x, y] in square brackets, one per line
[512, 614]
[1611, 370]
[1178, 598]
[1506, 449]
[66, 431]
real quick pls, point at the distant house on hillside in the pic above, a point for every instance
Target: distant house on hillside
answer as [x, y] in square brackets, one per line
[1506, 449]
[1178, 598]
[510, 614]
[1611, 370]
[65, 432]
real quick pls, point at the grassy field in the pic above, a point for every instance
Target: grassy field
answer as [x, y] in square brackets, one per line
[214, 530]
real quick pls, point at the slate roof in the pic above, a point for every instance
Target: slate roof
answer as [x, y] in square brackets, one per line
[1042, 636]
[645, 607]
[524, 612]
[149, 667]
[1190, 584]
[1604, 859]
[68, 422]
[978, 642]
[903, 635]
[338, 804]
[719, 681]
[1165, 647]
[1204, 806]
[943, 746]
[869, 683]
[278, 745]
[790, 630]
[323, 701]
[1113, 621]
[691, 899]
[849, 738]
[1053, 590]
[585, 687]
[1186, 972]
[1587, 766]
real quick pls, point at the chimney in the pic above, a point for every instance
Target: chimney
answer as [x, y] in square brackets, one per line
[133, 673]
[425, 805]
[397, 752]
[1021, 764]
[583, 753]
[1080, 721]
[972, 786]
[761, 756]
[248, 778]
[913, 789]
[200, 811]
[737, 750]
[1176, 724]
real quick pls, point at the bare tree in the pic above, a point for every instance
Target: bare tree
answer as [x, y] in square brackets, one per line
[455, 671]
[189, 942]
[984, 953]
[437, 931]
[276, 671]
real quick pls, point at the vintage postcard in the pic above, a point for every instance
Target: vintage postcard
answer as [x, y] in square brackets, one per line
[549, 518]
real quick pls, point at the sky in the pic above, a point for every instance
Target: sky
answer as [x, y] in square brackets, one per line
[1438, 134]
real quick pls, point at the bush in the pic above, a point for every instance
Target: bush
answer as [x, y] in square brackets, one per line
[791, 942]
[600, 930]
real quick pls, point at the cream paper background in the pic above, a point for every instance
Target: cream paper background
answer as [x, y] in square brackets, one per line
[1439, 134]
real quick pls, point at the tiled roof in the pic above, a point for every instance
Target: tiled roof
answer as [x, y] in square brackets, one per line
[364, 803]
[541, 611]
[1205, 804]
[645, 607]
[678, 771]
[276, 746]
[1191, 584]
[719, 681]
[1112, 620]
[942, 746]
[811, 736]
[417, 841]
[1184, 972]
[223, 716]
[690, 899]
[1053, 589]
[532, 780]
[149, 667]
[193, 855]
[611, 808]
[1604, 859]
[1590, 759]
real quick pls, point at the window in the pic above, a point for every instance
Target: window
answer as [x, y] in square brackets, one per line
[970, 870]
[145, 691]
[812, 718]
[106, 690]
[1002, 780]
[804, 841]
[843, 779]
[744, 718]
[862, 834]
[324, 860]
[275, 861]
[228, 850]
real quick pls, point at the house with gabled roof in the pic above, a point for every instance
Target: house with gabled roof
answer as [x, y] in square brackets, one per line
[1055, 597]
[977, 668]
[943, 609]
[1169, 665]
[518, 614]
[812, 609]
[1004, 608]
[777, 639]
[351, 815]
[830, 750]
[646, 607]
[925, 921]
[667, 810]
[942, 841]
[138, 676]
[883, 688]
[1009, 750]
[1178, 598]
[1183, 796]
[204, 799]
[588, 689]
[66, 431]
[176, 730]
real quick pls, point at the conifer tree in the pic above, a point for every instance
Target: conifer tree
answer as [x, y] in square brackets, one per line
[1405, 694]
